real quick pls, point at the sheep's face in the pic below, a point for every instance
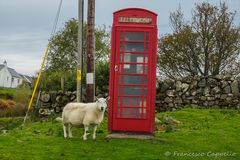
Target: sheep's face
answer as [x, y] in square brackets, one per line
[102, 104]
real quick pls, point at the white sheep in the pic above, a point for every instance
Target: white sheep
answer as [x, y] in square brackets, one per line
[83, 115]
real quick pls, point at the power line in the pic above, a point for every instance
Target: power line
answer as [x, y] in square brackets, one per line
[43, 63]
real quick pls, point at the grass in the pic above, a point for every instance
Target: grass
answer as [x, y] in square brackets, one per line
[7, 93]
[202, 134]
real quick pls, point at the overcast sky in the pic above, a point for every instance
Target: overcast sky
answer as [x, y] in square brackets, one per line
[25, 25]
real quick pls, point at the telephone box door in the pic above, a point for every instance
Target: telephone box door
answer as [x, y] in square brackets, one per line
[133, 50]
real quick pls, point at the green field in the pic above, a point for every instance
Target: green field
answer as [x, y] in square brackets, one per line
[7, 93]
[202, 134]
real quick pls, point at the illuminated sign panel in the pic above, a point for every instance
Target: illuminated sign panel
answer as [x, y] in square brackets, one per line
[134, 20]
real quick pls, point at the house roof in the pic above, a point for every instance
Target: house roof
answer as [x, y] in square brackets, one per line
[12, 71]
[26, 78]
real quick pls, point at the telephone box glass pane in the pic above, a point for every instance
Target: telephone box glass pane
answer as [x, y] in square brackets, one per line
[134, 46]
[130, 79]
[131, 101]
[134, 36]
[131, 112]
[132, 90]
[135, 68]
[137, 58]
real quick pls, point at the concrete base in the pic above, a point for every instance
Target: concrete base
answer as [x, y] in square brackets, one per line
[130, 135]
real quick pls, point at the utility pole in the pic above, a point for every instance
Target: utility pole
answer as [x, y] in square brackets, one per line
[80, 49]
[90, 89]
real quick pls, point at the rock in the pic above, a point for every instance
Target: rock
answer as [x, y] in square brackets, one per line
[163, 86]
[216, 90]
[224, 83]
[205, 103]
[202, 83]
[228, 99]
[194, 101]
[170, 105]
[217, 96]
[170, 93]
[45, 97]
[168, 100]
[227, 89]
[230, 95]
[170, 120]
[163, 108]
[235, 101]
[187, 79]
[185, 87]
[157, 121]
[212, 82]
[223, 96]
[203, 98]
[219, 77]
[235, 88]
[4, 131]
[44, 112]
[194, 84]
[187, 93]
[211, 103]
[186, 101]
[210, 98]
[194, 93]
[178, 100]
[200, 91]
[190, 98]
[178, 86]
[206, 91]
[228, 78]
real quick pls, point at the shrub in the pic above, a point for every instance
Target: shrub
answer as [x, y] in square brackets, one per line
[3, 104]
[10, 102]
[17, 110]
[22, 94]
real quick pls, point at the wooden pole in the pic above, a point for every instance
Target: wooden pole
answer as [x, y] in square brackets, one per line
[90, 87]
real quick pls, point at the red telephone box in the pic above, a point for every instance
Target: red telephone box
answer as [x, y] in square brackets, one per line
[132, 81]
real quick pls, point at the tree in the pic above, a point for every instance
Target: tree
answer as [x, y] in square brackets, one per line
[62, 59]
[208, 45]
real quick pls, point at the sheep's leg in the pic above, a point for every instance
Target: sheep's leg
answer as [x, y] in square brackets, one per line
[65, 130]
[85, 132]
[94, 132]
[69, 131]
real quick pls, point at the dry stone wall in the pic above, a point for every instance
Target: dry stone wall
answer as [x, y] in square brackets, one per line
[221, 91]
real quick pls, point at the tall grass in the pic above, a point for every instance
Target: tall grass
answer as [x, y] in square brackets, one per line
[9, 108]
[22, 94]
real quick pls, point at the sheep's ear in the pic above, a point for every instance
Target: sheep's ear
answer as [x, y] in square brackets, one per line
[108, 98]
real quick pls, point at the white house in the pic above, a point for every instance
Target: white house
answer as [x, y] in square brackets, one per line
[10, 78]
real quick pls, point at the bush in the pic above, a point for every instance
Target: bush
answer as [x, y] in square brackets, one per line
[17, 110]
[22, 94]
[10, 102]
[3, 104]
[11, 108]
